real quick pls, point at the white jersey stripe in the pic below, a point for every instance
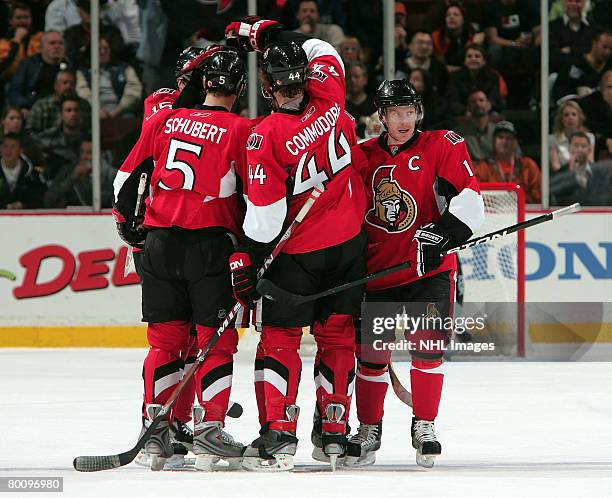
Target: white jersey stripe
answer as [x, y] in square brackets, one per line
[468, 207]
[318, 48]
[264, 223]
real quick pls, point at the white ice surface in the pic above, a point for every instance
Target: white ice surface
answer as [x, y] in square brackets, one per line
[507, 429]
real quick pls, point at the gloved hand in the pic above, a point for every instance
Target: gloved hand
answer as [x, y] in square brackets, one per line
[244, 278]
[131, 232]
[197, 61]
[430, 243]
[251, 33]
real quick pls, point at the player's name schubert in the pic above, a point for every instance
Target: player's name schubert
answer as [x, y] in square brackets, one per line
[433, 345]
[195, 129]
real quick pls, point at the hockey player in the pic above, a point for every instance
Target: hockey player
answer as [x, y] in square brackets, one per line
[305, 142]
[423, 197]
[193, 215]
[158, 103]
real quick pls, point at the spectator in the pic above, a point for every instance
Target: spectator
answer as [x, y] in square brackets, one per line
[309, 18]
[78, 37]
[401, 15]
[36, 75]
[479, 128]
[475, 74]
[19, 42]
[73, 184]
[568, 119]
[569, 34]
[451, 39]
[61, 15]
[506, 165]
[434, 108]
[421, 51]
[12, 123]
[581, 73]
[20, 184]
[512, 29]
[598, 110]
[358, 103]
[330, 11]
[350, 50]
[120, 88]
[60, 144]
[45, 112]
[124, 14]
[579, 180]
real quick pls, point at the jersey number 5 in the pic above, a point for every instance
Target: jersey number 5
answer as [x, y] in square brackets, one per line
[173, 163]
[315, 175]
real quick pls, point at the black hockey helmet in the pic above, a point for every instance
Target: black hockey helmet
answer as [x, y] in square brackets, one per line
[394, 93]
[225, 70]
[284, 64]
[186, 55]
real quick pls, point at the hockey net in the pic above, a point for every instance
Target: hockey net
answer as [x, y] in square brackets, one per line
[493, 274]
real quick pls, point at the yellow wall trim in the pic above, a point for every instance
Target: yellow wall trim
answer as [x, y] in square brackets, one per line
[74, 337]
[556, 333]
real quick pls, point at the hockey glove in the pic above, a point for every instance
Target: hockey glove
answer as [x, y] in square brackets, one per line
[251, 33]
[131, 232]
[430, 243]
[197, 61]
[244, 278]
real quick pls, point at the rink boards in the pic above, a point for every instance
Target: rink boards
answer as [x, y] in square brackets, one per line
[63, 284]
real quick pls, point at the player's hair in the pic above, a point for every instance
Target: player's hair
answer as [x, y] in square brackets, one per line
[69, 97]
[288, 91]
[11, 136]
[558, 123]
[300, 2]
[579, 134]
[598, 31]
[19, 6]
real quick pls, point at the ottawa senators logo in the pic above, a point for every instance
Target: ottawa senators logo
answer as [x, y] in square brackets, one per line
[394, 209]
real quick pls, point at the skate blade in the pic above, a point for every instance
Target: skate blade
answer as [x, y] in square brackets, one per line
[173, 463]
[425, 461]
[333, 461]
[353, 462]
[157, 462]
[319, 455]
[279, 463]
[214, 463]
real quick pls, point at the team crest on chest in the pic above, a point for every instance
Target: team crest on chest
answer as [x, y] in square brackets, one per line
[394, 209]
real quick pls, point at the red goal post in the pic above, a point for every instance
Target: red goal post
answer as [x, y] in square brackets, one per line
[496, 272]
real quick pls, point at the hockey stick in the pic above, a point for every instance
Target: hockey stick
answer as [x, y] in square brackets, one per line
[142, 184]
[400, 391]
[272, 291]
[96, 463]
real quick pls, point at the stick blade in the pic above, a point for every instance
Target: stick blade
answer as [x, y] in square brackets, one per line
[96, 463]
[272, 291]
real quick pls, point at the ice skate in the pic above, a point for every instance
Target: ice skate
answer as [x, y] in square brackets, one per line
[425, 442]
[176, 461]
[316, 437]
[182, 434]
[274, 450]
[333, 433]
[158, 446]
[362, 447]
[211, 444]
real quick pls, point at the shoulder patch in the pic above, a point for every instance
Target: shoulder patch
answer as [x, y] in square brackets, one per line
[254, 141]
[453, 137]
[316, 73]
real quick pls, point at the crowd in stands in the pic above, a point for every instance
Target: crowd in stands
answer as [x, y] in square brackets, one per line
[475, 62]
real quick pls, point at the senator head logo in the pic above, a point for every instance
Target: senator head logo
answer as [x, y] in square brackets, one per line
[394, 209]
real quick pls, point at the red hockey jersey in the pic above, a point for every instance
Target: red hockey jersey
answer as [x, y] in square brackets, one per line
[290, 152]
[198, 154]
[408, 187]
